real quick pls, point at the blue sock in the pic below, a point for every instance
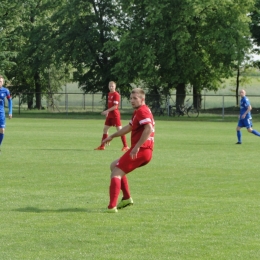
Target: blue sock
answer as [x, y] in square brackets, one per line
[255, 133]
[239, 136]
[1, 138]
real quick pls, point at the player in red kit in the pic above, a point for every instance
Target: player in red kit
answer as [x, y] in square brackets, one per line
[112, 116]
[141, 127]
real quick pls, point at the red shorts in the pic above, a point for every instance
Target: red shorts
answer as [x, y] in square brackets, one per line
[127, 164]
[113, 121]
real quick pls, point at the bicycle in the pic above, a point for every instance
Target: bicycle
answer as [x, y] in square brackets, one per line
[184, 110]
[158, 110]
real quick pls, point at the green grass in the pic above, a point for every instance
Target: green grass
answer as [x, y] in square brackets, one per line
[197, 199]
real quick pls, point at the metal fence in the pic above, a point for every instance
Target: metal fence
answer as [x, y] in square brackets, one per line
[79, 102]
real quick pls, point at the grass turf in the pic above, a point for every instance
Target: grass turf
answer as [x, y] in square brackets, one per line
[197, 199]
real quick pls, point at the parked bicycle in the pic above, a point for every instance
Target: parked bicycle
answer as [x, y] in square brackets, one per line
[157, 110]
[186, 109]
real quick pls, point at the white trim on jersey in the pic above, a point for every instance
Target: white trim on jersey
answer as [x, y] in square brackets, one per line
[146, 120]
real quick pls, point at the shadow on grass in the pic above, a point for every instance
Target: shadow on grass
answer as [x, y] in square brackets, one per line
[38, 210]
[63, 149]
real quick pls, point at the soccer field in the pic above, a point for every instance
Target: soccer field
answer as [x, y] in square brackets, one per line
[197, 199]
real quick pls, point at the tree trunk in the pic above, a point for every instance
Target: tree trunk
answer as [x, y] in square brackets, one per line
[38, 90]
[105, 92]
[180, 95]
[196, 98]
[30, 101]
[237, 85]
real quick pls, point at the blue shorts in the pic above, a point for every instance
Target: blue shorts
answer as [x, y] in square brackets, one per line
[245, 123]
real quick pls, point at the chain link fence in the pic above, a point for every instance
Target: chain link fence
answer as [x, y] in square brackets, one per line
[219, 105]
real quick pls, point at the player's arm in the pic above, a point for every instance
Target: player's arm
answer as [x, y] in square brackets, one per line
[148, 129]
[105, 112]
[123, 131]
[249, 108]
[10, 106]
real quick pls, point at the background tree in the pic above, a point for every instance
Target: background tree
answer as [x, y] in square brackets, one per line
[81, 38]
[176, 43]
[32, 44]
[8, 22]
[255, 23]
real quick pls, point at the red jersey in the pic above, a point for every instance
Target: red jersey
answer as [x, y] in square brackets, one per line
[141, 117]
[113, 99]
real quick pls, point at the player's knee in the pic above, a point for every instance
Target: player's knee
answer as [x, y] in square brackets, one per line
[117, 173]
[105, 129]
[113, 165]
[249, 130]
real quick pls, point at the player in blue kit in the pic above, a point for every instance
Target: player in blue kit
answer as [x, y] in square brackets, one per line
[245, 118]
[4, 93]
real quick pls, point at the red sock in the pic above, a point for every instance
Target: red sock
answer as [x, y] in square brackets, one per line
[125, 188]
[103, 137]
[123, 138]
[114, 190]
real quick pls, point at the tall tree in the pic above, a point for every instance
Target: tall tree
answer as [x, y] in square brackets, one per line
[255, 23]
[30, 39]
[9, 19]
[182, 42]
[81, 38]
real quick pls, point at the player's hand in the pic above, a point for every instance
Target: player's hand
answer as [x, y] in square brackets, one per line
[107, 141]
[133, 153]
[243, 116]
[104, 113]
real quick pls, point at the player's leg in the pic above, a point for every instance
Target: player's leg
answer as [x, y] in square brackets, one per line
[104, 136]
[114, 189]
[126, 164]
[123, 139]
[125, 188]
[1, 135]
[255, 132]
[2, 130]
[251, 130]
[126, 200]
[239, 134]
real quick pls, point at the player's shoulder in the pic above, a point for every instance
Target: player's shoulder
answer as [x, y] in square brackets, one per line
[4, 89]
[145, 110]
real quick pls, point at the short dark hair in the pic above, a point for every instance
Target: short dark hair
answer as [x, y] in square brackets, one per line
[138, 91]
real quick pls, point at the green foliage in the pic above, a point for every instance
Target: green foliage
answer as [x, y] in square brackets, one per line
[255, 24]
[81, 37]
[176, 42]
[163, 43]
[29, 37]
[7, 24]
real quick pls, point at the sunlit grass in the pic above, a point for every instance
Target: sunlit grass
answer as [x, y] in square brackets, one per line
[197, 199]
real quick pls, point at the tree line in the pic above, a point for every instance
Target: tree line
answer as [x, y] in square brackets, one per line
[160, 44]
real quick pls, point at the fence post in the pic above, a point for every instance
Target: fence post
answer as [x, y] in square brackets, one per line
[168, 104]
[204, 98]
[92, 101]
[19, 104]
[223, 106]
[67, 101]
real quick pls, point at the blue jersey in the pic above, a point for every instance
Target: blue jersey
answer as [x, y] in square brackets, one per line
[4, 93]
[244, 104]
